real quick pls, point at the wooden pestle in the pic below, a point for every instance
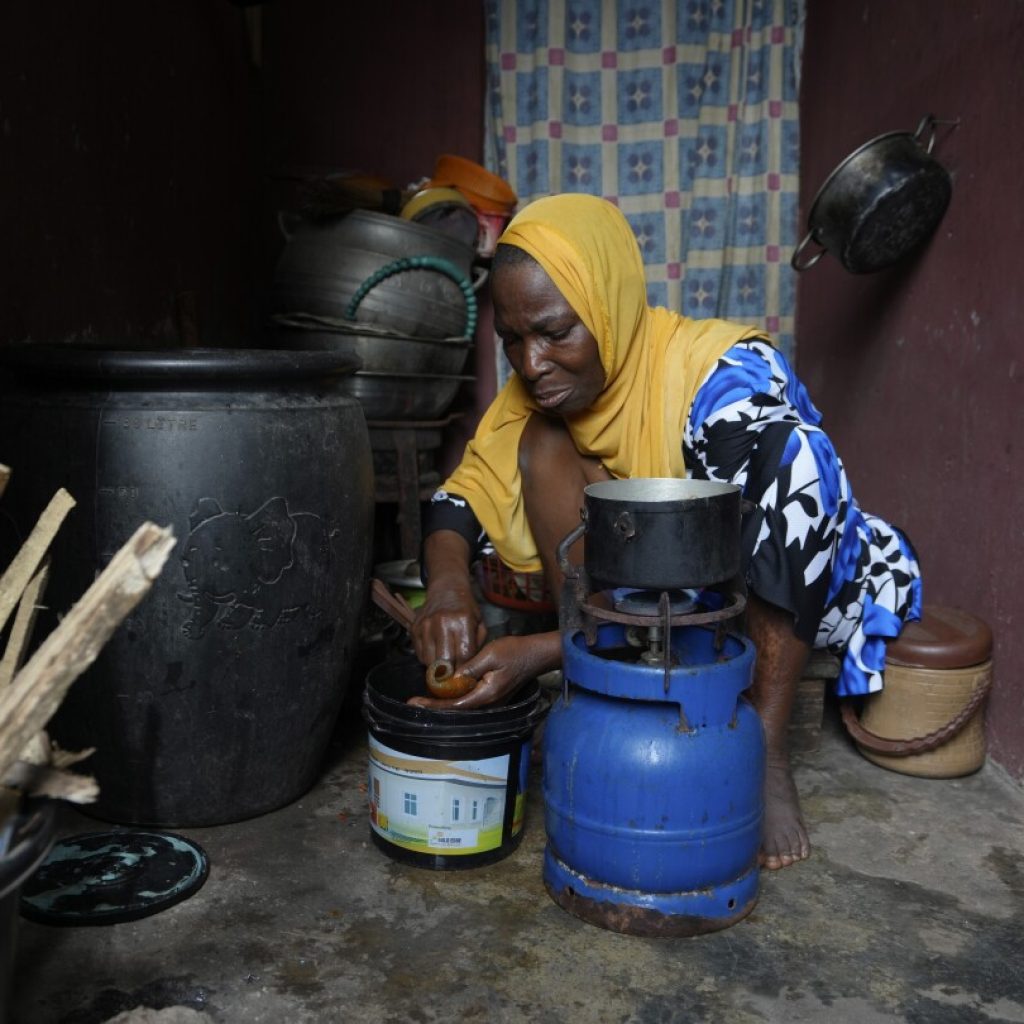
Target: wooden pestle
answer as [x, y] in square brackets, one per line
[394, 604]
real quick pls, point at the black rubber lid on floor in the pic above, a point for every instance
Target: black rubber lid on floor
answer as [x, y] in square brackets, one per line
[109, 877]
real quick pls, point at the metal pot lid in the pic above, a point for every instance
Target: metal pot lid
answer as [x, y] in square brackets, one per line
[110, 877]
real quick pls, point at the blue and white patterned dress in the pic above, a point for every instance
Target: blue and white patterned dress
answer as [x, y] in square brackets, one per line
[850, 579]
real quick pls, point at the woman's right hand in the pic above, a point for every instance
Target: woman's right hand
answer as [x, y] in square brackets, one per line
[449, 624]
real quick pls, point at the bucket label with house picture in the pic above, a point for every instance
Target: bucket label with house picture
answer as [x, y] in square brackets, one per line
[430, 805]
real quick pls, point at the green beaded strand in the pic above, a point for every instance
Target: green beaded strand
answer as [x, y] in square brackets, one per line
[443, 266]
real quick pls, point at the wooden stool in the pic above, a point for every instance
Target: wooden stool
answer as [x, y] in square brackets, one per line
[804, 731]
[928, 719]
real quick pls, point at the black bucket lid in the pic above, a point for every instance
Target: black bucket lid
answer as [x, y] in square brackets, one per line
[110, 877]
[390, 684]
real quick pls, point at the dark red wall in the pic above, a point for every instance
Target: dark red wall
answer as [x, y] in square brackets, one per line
[145, 149]
[129, 170]
[144, 146]
[919, 369]
[383, 88]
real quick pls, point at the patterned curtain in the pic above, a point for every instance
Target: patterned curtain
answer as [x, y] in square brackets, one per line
[684, 113]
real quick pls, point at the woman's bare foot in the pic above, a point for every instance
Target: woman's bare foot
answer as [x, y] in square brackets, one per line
[781, 657]
[784, 838]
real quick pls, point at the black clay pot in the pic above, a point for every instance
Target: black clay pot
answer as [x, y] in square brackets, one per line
[216, 699]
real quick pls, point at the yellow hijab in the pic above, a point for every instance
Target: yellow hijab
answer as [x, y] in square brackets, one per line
[654, 362]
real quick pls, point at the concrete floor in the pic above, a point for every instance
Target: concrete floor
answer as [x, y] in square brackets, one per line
[910, 910]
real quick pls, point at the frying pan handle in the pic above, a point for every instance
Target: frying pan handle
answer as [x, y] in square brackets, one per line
[795, 259]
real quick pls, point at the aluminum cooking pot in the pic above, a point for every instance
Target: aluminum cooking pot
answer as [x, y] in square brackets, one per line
[660, 534]
[880, 203]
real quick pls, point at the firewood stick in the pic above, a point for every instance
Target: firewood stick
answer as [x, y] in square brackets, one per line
[21, 631]
[46, 780]
[40, 750]
[5, 475]
[26, 561]
[38, 689]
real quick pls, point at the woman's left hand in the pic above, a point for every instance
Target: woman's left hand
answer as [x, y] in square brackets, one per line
[502, 666]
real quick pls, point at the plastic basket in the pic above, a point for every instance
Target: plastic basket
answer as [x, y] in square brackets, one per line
[524, 591]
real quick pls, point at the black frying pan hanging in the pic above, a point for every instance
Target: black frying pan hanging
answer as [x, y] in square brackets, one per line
[880, 203]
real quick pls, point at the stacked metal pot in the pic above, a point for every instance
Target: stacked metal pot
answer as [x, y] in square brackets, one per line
[389, 292]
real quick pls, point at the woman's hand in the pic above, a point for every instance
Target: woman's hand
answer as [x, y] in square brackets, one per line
[449, 625]
[502, 667]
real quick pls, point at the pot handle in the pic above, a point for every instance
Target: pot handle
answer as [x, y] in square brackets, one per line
[562, 551]
[287, 222]
[926, 122]
[919, 744]
[794, 261]
[480, 275]
[442, 266]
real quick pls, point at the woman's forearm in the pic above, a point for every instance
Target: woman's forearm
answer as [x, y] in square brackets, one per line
[446, 558]
[549, 652]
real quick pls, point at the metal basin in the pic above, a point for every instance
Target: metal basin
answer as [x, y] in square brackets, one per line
[324, 263]
[403, 396]
[376, 351]
[879, 204]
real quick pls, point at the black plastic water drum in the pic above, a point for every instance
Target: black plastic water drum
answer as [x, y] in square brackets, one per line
[447, 788]
[216, 698]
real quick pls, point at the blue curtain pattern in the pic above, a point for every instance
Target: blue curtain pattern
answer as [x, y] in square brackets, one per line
[682, 112]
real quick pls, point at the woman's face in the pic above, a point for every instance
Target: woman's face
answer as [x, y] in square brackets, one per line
[546, 342]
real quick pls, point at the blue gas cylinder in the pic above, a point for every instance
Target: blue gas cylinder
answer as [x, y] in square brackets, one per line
[653, 788]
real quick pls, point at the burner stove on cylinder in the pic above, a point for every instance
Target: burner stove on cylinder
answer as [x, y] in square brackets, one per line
[653, 757]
